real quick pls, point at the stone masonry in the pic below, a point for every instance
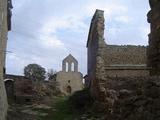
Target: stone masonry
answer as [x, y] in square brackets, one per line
[106, 61]
[5, 26]
[154, 37]
[119, 79]
[69, 79]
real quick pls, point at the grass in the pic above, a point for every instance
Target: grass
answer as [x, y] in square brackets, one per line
[79, 105]
[74, 107]
[61, 110]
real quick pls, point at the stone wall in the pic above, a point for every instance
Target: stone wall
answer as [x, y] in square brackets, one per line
[22, 85]
[126, 71]
[132, 98]
[122, 80]
[154, 37]
[95, 38]
[111, 60]
[126, 54]
[3, 39]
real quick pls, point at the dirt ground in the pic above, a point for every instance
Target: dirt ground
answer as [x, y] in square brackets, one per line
[30, 112]
[55, 108]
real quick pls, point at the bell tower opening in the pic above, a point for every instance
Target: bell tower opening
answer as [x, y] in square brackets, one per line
[67, 67]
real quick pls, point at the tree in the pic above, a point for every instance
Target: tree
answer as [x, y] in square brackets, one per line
[35, 72]
[52, 74]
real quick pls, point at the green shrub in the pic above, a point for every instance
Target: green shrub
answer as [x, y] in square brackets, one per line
[80, 100]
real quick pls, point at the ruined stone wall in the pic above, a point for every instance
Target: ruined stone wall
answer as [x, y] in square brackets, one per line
[154, 37]
[123, 61]
[95, 40]
[3, 40]
[111, 60]
[127, 54]
[126, 88]
[129, 71]
[133, 98]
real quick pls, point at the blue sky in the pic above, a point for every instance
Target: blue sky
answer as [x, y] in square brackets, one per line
[46, 31]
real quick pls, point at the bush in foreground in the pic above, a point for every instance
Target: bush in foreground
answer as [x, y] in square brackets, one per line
[81, 100]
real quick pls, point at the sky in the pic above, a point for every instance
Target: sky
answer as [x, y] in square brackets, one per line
[46, 31]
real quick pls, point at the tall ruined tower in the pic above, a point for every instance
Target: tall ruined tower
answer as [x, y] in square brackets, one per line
[154, 37]
[95, 47]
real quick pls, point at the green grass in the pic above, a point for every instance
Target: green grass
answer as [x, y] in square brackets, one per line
[65, 108]
[61, 110]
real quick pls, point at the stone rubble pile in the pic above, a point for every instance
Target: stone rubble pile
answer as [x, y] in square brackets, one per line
[133, 99]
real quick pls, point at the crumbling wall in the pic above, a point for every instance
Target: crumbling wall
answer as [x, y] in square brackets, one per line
[132, 98]
[154, 37]
[95, 40]
[133, 94]
[111, 60]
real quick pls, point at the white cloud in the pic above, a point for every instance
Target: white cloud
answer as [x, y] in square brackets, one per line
[51, 41]
[123, 19]
[110, 8]
[70, 22]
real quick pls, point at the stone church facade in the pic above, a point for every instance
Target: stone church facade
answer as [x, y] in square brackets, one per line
[5, 26]
[111, 61]
[69, 79]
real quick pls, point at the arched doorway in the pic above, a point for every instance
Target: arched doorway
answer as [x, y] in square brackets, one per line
[9, 85]
[69, 90]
